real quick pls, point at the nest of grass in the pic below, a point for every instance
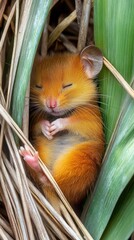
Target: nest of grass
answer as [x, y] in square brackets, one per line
[24, 211]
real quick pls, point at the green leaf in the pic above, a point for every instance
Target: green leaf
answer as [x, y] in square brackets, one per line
[38, 14]
[114, 35]
[121, 224]
[116, 173]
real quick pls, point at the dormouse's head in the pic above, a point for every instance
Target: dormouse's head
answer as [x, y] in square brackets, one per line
[64, 82]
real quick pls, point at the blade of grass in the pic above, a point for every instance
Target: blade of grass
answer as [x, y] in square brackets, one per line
[20, 184]
[5, 225]
[112, 18]
[4, 235]
[115, 173]
[38, 14]
[55, 229]
[78, 6]
[37, 194]
[70, 47]
[2, 9]
[8, 206]
[9, 91]
[29, 202]
[121, 224]
[24, 16]
[114, 35]
[24, 205]
[7, 26]
[16, 202]
[119, 77]
[84, 24]
[61, 27]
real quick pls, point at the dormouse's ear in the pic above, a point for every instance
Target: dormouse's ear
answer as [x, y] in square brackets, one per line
[92, 60]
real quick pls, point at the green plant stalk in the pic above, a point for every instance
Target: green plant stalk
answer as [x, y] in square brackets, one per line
[114, 35]
[121, 224]
[38, 15]
[116, 173]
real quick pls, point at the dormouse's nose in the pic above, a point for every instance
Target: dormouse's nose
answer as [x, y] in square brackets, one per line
[52, 103]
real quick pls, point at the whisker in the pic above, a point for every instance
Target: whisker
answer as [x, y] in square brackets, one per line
[92, 112]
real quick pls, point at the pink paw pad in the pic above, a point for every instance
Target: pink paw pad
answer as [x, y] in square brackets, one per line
[33, 162]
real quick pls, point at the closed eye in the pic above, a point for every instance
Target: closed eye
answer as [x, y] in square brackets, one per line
[67, 85]
[38, 86]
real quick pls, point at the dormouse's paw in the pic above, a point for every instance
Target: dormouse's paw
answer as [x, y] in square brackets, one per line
[58, 125]
[45, 128]
[33, 161]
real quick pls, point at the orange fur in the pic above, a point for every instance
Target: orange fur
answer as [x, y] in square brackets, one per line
[74, 154]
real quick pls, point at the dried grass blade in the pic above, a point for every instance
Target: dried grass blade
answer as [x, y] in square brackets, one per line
[45, 203]
[68, 230]
[17, 164]
[2, 9]
[19, 213]
[78, 6]
[119, 77]
[51, 225]
[10, 83]
[84, 24]
[9, 91]
[28, 198]
[4, 234]
[52, 237]
[11, 147]
[2, 59]
[61, 27]
[7, 26]
[15, 181]
[38, 194]
[69, 46]
[13, 175]
[41, 230]
[8, 206]
[5, 225]
[69, 220]
[63, 199]
[18, 131]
